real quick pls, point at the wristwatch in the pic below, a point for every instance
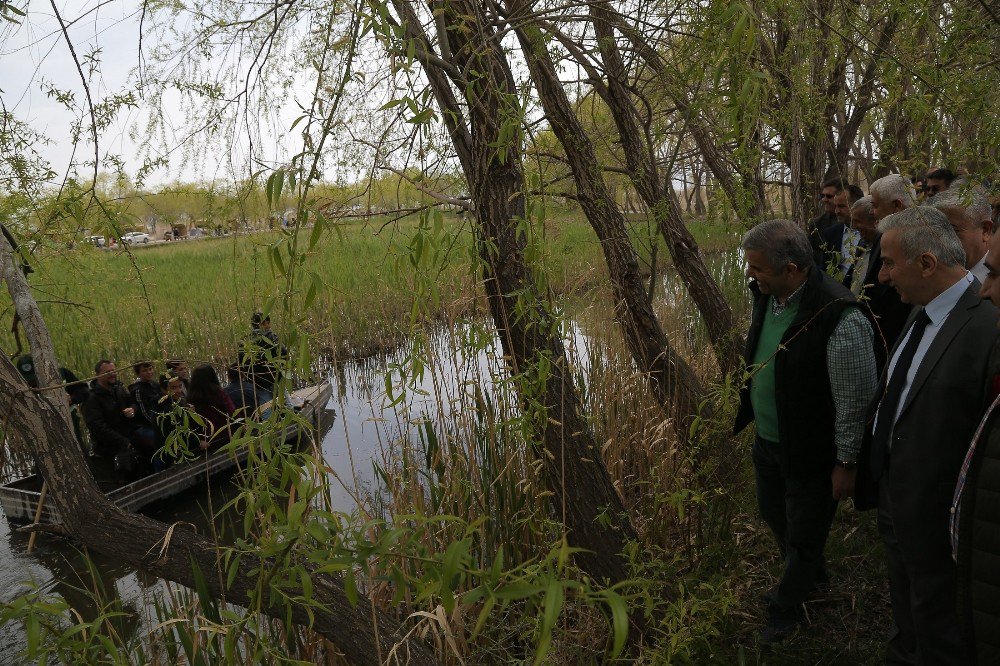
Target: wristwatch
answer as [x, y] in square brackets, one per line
[848, 465]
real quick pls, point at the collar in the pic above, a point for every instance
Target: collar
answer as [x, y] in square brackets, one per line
[945, 302]
[777, 308]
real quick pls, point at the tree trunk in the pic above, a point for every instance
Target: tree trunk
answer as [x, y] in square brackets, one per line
[582, 492]
[673, 382]
[657, 191]
[363, 632]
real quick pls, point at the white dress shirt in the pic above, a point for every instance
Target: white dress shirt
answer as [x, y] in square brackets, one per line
[937, 311]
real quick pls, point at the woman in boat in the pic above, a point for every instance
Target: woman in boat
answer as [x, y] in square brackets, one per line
[212, 404]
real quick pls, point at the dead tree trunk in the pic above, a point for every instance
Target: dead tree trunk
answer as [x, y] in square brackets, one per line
[472, 59]
[364, 633]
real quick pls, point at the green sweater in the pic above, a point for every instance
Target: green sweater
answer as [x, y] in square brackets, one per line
[765, 409]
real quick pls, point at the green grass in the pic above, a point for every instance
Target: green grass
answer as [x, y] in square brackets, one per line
[194, 299]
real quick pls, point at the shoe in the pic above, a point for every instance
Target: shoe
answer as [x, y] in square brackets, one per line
[777, 631]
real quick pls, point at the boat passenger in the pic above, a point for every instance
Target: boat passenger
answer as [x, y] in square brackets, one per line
[241, 392]
[110, 417]
[208, 399]
[76, 391]
[145, 392]
[260, 355]
[179, 368]
[175, 430]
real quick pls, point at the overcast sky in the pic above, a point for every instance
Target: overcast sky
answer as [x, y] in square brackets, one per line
[34, 56]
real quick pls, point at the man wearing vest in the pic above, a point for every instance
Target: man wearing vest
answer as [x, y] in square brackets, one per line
[932, 396]
[811, 368]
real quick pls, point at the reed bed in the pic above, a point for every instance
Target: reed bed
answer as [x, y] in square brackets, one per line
[458, 533]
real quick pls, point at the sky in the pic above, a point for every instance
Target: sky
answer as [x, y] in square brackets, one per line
[34, 57]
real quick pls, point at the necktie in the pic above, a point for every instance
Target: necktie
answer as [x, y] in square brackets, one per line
[890, 401]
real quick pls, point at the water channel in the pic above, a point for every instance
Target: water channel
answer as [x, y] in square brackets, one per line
[364, 431]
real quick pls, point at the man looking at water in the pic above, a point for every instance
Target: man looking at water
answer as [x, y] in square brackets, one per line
[971, 216]
[812, 372]
[932, 397]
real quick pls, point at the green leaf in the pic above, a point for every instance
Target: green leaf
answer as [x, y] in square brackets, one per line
[619, 621]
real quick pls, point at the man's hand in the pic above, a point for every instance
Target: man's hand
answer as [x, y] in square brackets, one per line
[843, 482]
[128, 412]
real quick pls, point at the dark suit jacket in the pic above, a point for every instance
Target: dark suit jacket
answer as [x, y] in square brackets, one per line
[939, 415]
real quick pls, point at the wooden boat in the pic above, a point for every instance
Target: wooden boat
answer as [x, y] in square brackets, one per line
[19, 499]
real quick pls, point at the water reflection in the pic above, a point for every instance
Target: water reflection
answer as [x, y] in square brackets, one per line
[372, 418]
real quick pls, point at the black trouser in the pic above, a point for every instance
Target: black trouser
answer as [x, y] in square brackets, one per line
[799, 511]
[924, 608]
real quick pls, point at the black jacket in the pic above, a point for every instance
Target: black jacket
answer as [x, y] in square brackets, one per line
[146, 398]
[259, 358]
[979, 539]
[102, 412]
[806, 411]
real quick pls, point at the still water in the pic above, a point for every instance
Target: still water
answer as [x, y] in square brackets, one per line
[365, 430]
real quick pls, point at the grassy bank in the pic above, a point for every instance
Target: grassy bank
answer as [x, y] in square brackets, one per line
[364, 281]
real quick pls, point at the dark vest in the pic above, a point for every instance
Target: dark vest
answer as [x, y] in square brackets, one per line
[806, 412]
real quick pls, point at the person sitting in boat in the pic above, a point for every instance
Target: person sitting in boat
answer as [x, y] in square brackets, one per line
[260, 355]
[145, 392]
[176, 431]
[76, 391]
[110, 417]
[177, 367]
[241, 392]
[212, 404]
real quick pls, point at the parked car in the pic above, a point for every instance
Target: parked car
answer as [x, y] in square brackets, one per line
[134, 237]
[96, 241]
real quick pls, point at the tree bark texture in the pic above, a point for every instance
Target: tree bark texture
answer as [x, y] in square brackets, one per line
[364, 633]
[659, 195]
[571, 458]
[673, 382]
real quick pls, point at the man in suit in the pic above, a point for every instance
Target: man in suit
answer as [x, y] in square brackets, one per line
[841, 241]
[933, 394]
[975, 511]
[888, 311]
[968, 209]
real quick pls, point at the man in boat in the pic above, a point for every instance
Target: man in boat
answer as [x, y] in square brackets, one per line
[145, 393]
[179, 368]
[975, 513]
[241, 392]
[260, 355]
[811, 366]
[110, 416]
[76, 391]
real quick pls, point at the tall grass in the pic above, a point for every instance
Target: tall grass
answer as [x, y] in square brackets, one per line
[193, 299]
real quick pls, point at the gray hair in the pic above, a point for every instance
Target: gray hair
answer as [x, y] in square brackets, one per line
[863, 205]
[924, 229]
[782, 242]
[895, 188]
[971, 200]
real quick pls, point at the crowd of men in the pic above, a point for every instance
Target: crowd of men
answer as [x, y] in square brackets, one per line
[873, 373]
[142, 428]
